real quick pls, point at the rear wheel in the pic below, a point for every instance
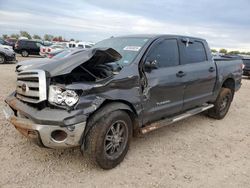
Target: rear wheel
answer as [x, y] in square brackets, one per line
[2, 59]
[24, 53]
[222, 104]
[108, 140]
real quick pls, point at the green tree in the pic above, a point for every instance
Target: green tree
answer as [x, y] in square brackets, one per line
[72, 39]
[234, 52]
[224, 51]
[214, 51]
[48, 37]
[15, 36]
[5, 36]
[36, 37]
[25, 34]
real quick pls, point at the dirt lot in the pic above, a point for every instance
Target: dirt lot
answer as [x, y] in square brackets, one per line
[197, 152]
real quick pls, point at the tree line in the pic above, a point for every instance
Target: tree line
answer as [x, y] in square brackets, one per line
[224, 51]
[46, 37]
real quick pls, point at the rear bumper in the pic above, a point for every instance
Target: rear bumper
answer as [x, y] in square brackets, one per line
[42, 134]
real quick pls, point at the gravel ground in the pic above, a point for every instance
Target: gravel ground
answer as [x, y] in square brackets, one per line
[196, 152]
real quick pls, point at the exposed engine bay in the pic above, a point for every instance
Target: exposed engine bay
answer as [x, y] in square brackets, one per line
[88, 73]
[100, 65]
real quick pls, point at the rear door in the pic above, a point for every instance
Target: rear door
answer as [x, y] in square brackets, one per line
[199, 72]
[163, 94]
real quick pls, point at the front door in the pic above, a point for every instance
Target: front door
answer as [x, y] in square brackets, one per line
[163, 94]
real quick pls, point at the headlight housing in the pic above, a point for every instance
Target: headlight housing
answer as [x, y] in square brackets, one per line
[60, 96]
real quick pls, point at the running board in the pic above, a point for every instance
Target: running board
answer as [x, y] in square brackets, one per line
[168, 121]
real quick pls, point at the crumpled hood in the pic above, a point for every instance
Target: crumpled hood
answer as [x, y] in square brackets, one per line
[39, 61]
[56, 67]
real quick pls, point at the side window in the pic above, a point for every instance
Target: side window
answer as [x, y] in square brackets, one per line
[165, 53]
[31, 44]
[194, 52]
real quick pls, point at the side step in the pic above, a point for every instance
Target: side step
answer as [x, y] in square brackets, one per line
[168, 121]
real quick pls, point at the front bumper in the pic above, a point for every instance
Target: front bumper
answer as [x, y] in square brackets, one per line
[41, 134]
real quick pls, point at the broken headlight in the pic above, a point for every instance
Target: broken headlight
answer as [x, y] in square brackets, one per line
[60, 96]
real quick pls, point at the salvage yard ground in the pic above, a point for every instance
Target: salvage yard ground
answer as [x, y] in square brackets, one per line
[196, 152]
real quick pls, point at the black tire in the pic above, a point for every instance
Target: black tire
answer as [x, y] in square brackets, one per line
[2, 59]
[222, 104]
[100, 138]
[25, 53]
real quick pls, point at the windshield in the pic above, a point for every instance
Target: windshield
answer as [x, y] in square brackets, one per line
[127, 47]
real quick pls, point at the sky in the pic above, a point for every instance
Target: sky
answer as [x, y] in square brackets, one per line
[224, 23]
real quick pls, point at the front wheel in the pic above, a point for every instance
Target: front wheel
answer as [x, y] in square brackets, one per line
[222, 104]
[108, 141]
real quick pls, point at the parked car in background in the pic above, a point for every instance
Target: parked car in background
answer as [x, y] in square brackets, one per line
[71, 44]
[23, 65]
[84, 45]
[6, 55]
[246, 70]
[5, 44]
[53, 54]
[45, 50]
[12, 42]
[98, 98]
[28, 47]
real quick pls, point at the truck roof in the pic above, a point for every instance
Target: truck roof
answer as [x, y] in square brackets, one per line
[152, 36]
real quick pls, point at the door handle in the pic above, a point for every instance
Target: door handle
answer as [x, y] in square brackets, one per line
[180, 74]
[211, 69]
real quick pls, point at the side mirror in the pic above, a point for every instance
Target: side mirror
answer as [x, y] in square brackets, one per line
[149, 65]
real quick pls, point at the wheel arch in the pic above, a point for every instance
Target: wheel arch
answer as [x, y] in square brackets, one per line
[107, 107]
[230, 84]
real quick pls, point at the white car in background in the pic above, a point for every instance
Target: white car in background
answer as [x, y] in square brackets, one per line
[85, 44]
[73, 44]
[45, 50]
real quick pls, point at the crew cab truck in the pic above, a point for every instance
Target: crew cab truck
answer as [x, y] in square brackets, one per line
[97, 99]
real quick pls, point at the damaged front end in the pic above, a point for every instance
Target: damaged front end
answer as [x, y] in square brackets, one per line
[53, 101]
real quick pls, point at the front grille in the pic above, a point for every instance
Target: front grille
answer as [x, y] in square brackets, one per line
[31, 86]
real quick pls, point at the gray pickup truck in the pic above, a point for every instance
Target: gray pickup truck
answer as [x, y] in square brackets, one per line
[99, 98]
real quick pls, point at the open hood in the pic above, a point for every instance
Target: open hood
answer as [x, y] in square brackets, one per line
[56, 67]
